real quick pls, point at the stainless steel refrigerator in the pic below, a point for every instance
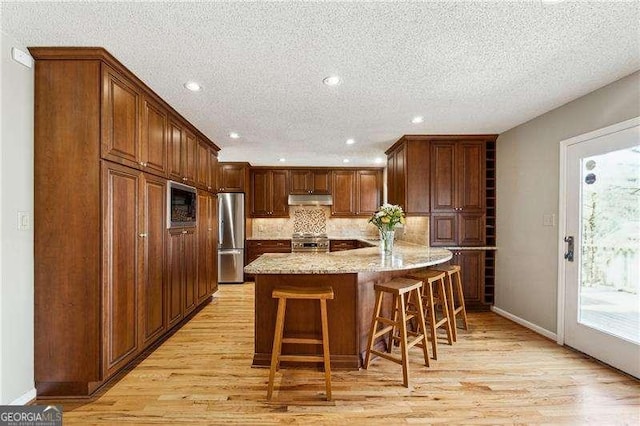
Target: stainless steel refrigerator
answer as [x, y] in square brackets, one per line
[230, 237]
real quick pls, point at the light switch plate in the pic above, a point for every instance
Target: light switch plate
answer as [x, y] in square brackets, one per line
[549, 220]
[24, 221]
[22, 57]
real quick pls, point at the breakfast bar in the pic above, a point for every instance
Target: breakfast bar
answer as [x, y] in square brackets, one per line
[352, 275]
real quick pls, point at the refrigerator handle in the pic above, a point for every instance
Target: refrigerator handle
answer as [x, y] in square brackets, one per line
[220, 228]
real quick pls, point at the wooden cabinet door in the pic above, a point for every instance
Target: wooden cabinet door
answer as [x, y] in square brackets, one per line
[321, 182]
[175, 277]
[190, 254]
[344, 193]
[212, 183]
[154, 138]
[175, 150]
[368, 194]
[444, 229]
[279, 193]
[417, 178]
[471, 229]
[120, 258]
[153, 224]
[300, 181]
[400, 177]
[231, 177]
[260, 193]
[470, 163]
[472, 274]
[203, 230]
[190, 154]
[120, 119]
[392, 197]
[443, 177]
[202, 169]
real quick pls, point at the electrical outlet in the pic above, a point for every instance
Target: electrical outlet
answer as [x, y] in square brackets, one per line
[24, 221]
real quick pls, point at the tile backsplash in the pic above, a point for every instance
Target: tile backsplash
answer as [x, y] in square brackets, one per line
[319, 220]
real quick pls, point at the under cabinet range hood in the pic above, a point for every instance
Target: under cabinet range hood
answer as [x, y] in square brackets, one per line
[310, 200]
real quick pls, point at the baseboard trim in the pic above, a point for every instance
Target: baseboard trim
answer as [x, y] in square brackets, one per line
[531, 326]
[25, 399]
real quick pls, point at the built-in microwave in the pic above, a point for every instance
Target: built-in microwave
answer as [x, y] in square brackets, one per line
[181, 205]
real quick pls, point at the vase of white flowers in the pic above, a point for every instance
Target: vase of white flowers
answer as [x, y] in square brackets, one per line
[386, 218]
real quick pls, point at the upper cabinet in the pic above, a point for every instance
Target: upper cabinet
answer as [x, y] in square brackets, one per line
[121, 101]
[408, 175]
[269, 193]
[356, 192]
[139, 131]
[232, 177]
[304, 181]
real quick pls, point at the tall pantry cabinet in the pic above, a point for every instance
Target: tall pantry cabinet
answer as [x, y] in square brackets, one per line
[101, 255]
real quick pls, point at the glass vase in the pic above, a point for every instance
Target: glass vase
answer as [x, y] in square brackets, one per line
[386, 241]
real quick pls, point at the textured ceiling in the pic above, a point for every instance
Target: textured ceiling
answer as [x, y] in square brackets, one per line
[466, 67]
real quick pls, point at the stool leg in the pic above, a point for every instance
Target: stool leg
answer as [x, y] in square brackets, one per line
[403, 342]
[325, 347]
[422, 328]
[445, 311]
[461, 301]
[394, 315]
[277, 344]
[452, 307]
[432, 320]
[374, 323]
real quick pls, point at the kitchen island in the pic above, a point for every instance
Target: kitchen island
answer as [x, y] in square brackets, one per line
[352, 275]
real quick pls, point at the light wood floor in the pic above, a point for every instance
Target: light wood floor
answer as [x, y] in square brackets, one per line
[496, 373]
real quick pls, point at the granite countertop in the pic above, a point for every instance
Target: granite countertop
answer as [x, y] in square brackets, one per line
[369, 259]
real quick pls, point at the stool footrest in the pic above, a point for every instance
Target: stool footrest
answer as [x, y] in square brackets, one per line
[302, 358]
[387, 356]
[382, 331]
[387, 321]
[302, 340]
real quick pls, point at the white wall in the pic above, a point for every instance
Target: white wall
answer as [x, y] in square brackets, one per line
[527, 179]
[16, 247]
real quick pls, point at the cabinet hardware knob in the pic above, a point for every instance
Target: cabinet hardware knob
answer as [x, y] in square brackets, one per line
[142, 163]
[209, 188]
[184, 178]
[210, 229]
[184, 232]
[142, 235]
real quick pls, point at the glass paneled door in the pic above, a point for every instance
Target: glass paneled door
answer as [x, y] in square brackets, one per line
[602, 245]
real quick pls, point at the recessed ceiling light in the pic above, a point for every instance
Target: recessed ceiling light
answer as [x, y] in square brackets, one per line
[234, 135]
[332, 80]
[350, 141]
[417, 120]
[346, 160]
[378, 160]
[193, 86]
[282, 160]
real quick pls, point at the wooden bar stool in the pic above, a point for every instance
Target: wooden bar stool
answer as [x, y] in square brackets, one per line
[398, 287]
[454, 290]
[434, 295]
[284, 293]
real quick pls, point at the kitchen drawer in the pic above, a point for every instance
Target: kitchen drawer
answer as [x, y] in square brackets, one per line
[340, 245]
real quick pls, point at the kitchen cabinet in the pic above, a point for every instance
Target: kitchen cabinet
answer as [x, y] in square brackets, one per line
[356, 192]
[256, 248]
[120, 124]
[341, 245]
[457, 193]
[269, 193]
[212, 181]
[310, 181]
[203, 165]
[103, 294]
[232, 177]
[120, 327]
[472, 271]
[153, 139]
[408, 175]
[183, 152]
[182, 273]
[207, 259]
[153, 223]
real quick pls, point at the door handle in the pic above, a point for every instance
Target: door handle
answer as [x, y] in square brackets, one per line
[569, 254]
